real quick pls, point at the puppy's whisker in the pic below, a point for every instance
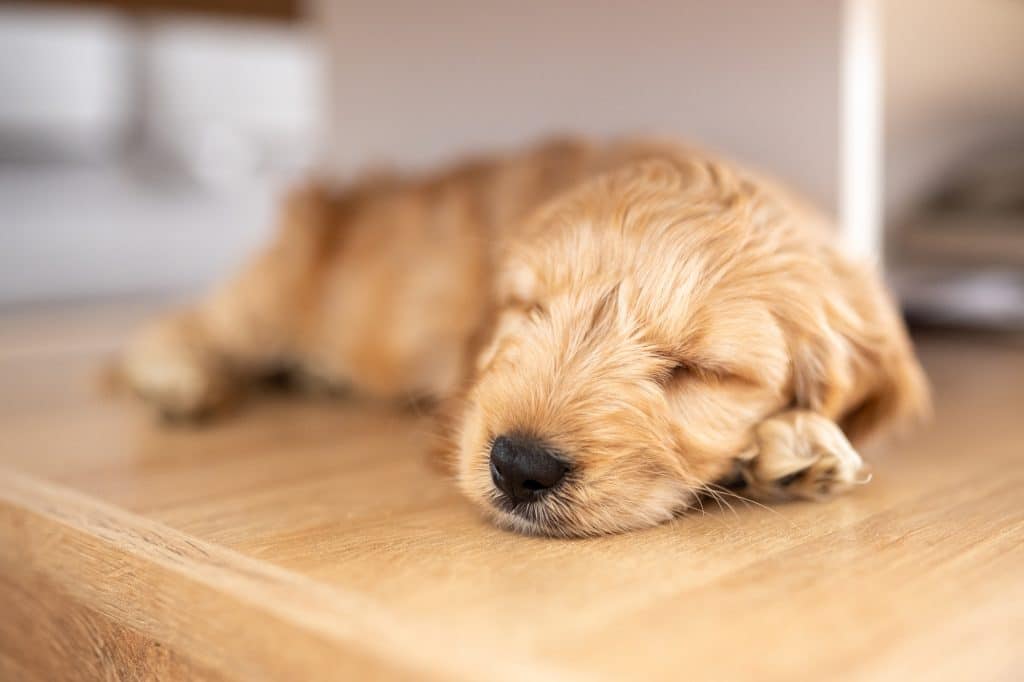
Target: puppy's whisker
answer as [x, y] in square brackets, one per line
[700, 502]
[721, 501]
[752, 502]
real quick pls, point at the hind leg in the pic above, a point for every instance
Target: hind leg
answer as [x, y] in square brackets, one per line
[200, 359]
[176, 367]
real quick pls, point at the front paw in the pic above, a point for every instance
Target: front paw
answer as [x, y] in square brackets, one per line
[802, 454]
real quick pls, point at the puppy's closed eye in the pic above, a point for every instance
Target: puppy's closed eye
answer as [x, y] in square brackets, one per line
[533, 309]
[677, 372]
[673, 370]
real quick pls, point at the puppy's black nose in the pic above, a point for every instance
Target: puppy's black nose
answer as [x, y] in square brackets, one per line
[524, 468]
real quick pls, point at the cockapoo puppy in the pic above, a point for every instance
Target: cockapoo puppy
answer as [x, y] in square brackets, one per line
[610, 330]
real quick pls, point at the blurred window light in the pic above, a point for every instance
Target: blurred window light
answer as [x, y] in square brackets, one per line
[65, 84]
[167, 108]
[226, 101]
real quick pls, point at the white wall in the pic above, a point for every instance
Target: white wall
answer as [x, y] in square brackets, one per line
[418, 82]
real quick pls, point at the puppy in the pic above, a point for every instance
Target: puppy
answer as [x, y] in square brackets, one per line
[612, 330]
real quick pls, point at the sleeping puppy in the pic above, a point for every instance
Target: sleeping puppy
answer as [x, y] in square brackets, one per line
[610, 330]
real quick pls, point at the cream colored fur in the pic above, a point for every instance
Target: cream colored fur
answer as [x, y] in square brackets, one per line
[664, 319]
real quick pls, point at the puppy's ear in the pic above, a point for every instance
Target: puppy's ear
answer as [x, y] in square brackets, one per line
[852, 357]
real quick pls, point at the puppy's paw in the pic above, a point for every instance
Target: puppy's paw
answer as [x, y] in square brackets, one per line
[801, 454]
[167, 367]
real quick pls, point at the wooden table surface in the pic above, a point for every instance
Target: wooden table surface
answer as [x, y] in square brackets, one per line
[308, 539]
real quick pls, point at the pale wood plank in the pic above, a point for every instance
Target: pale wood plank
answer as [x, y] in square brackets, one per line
[319, 525]
[230, 614]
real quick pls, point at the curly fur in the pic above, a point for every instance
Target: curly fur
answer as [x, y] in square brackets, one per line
[661, 317]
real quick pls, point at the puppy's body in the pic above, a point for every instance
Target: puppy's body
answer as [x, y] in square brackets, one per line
[651, 319]
[387, 286]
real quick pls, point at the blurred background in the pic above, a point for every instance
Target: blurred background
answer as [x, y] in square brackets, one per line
[143, 144]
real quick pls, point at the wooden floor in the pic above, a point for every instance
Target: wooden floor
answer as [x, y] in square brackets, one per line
[310, 540]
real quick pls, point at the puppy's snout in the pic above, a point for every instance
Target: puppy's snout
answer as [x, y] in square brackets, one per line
[523, 468]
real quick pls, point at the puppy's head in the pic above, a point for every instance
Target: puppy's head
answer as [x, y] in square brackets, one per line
[641, 337]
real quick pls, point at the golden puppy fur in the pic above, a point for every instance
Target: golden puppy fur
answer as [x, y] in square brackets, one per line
[660, 320]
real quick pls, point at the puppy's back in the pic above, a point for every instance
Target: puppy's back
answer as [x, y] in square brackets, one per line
[392, 277]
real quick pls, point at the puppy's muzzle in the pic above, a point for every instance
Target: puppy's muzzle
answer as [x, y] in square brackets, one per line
[523, 468]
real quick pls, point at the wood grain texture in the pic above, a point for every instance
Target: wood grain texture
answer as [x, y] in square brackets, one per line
[310, 539]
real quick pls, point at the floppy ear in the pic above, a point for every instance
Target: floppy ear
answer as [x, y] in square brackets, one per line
[852, 357]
